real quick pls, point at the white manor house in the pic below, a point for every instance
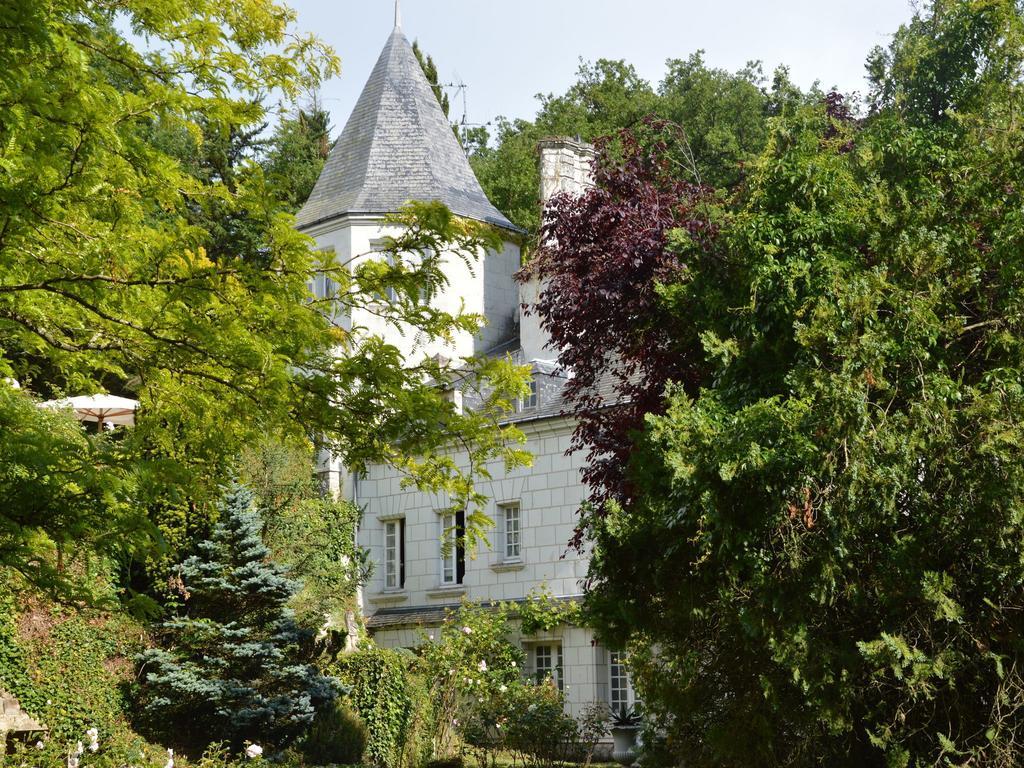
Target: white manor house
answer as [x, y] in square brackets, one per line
[398, 146]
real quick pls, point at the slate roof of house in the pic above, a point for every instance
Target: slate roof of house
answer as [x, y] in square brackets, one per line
[397, 146]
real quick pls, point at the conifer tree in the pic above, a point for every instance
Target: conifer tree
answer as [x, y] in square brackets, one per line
[229, 670]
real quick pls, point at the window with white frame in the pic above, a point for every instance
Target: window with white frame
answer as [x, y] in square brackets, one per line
[426, 291]
[547, 664]
[448, 540]
[394, 554]
[530, 400]
[453, 553]
[510, 518]
[379, 246]
[620, 687]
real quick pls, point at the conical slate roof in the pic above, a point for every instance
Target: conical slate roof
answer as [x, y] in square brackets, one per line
[397, 146]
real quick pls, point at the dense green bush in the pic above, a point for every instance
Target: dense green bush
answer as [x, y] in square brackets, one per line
[421, 732]
[338, 737]
[382, 694]
[525, 718]
[67, 669]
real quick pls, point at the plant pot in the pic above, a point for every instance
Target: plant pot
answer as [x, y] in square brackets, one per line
[624, 738]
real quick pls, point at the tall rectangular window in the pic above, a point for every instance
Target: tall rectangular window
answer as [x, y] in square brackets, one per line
[530, 401]
[380, 246]
[390, 293]
[620, 687]
[453, 551]
[548, 664]
[511, 530]
[394, 554]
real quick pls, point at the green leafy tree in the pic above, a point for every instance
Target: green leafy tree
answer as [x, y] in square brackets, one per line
[145, 250]
[813, 553]
[607, 95]
[297, 153]
[724, 117]
[231, 669]
[68, 501]
[311, 534]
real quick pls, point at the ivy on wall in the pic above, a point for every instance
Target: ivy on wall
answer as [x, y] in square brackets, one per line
[67, 671]
[380, 694]
[543, 612]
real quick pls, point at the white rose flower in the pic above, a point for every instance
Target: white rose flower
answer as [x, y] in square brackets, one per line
[514, 664]
[467, 631]
[503, 688]
[482, 666]
[253, 751]
[40, 745]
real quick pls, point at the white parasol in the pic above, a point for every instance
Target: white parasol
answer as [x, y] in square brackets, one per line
[104, 409]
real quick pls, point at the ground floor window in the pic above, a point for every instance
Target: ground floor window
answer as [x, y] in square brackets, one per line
[547, 664]
[620, 687]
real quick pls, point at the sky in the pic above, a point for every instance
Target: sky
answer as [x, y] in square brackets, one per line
[507, 51]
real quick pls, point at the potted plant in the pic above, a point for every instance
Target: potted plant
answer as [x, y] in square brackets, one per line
[625, 727]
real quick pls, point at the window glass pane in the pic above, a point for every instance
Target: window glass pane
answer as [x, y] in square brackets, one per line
[548, 664]
[448, 549]
[620, 687]
[391, 555]
[542, 655]
[511, 531]
[530, 401]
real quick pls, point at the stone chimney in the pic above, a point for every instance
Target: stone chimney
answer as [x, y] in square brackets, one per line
[565, 166]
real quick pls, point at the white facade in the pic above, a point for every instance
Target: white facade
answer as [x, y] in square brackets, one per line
[548, 496]
[484, 288]
[534, 512]
[397, 146]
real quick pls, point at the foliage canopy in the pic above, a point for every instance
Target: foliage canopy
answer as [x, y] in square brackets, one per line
[147, 249]
[812, 546]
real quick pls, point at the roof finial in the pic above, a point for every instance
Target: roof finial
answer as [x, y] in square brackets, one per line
[398, 14]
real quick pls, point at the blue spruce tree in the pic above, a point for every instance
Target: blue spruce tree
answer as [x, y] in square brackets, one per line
[230, 670]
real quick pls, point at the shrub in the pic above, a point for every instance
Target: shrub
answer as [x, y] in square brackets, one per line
[67, 669]
[422, 728]
[379, 691]
[472, 659]
[538, 730]
[338, 737]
